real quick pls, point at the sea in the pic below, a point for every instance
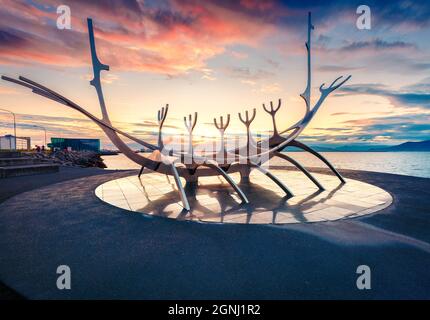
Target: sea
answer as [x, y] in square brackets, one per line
[415, 164]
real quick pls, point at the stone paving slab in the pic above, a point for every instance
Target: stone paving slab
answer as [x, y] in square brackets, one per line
[213, 200]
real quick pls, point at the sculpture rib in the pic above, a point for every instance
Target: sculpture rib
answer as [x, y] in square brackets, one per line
[301, 168]
[274, 179]
[180, 188]
[304, 147]
[230, 181]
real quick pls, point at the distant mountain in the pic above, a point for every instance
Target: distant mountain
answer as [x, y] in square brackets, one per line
[421, 146]
[407, 146]
[316, 148]
[351, 148]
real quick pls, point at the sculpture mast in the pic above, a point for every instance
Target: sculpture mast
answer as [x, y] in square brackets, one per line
[306, 95]
[97, 68]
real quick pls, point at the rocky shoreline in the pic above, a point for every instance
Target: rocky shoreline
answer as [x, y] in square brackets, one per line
[83, 159]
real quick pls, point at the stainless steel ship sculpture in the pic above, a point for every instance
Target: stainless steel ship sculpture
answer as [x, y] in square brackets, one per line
[223, 162]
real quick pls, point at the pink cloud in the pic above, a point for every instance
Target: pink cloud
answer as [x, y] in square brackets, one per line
[261, 5]
[129, 37]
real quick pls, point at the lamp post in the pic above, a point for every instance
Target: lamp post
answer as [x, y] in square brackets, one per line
[14, 123]
[44, 129]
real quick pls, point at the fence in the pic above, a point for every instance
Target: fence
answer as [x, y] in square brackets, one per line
[8, 143]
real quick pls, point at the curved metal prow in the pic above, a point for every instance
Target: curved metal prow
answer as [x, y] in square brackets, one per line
[50, 94]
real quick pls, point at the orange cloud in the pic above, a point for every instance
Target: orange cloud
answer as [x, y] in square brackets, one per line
[130, 36]
[261, 5]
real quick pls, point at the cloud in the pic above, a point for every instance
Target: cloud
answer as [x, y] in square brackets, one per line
[107, 78]
[271, 88]
[4, 90]
[336, 68]
[272, 63]
[153, 125]
[419, 66]
[239, 55]
[247, 74]
[248, 82]
[260, 5]
[391, 130]
[376, 44]
[409, 120]
[410, 127]
[31, 125]
[421, 86]
[399, 97]
[208, 74]
[9, 39]
[131, 35]
[404, 14]
[175, 37]
[358, 113]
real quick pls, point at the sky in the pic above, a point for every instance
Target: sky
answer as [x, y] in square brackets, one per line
[219, 58]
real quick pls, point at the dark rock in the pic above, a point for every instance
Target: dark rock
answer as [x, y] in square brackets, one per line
[71, 158]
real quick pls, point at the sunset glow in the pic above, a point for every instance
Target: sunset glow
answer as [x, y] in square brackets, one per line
[219, 57]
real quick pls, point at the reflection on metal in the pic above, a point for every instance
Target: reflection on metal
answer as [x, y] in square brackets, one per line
[274, 179]
[180, 188]
[230, 181]
[304, 147]
[300, 167]
[141, 171]
[187, 164]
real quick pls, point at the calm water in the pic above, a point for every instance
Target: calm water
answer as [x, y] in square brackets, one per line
[406, 163]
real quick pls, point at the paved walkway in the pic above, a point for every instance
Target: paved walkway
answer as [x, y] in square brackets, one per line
[10, 187]
[115, 254]
[214, 201]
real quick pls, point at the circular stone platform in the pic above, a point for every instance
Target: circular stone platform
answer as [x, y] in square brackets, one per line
[215, 201]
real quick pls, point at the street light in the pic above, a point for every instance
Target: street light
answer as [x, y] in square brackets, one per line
[14, 123]
[44, 129]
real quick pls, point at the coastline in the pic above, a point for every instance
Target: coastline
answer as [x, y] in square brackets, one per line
[416, 164]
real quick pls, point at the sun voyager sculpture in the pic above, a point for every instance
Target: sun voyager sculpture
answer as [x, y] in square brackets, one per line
[186, 163]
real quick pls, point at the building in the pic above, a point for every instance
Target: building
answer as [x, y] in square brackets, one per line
[75, 144]
[7, 142]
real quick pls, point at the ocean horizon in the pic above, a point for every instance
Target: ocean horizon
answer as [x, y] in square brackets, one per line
[416, 164]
